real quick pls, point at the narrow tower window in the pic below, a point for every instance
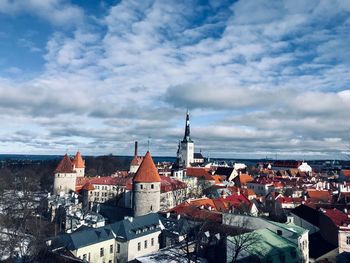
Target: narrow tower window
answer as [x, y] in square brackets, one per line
[152, 186]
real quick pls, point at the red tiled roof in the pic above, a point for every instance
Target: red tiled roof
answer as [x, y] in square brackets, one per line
[197, 171]
[319, 195]
[78, 161]
[338, 217]
[136, 161]
[88, 186]
[197, 212]
[168, 184]
[345, 173]
[65, 165]
[147, 171]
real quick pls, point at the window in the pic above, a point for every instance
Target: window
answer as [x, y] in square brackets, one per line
[348, 240]
[138, 246]
[89, 257]
[141, 186]
[84, 257]
[101, 252]
[152, 241]
[145, 243]
[152, 186]
[151, 208]
[118, 248]
[111, 249]
[110, 261]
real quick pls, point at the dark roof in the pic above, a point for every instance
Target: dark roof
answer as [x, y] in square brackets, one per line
[307, 213]
[318, 246]
[83, 238]
[125, 229]
[198, 156]
[224, 171]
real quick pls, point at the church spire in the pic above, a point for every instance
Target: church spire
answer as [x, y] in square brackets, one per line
[187, 137]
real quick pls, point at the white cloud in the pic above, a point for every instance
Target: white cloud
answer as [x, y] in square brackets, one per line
[58, 12]
[273, 75]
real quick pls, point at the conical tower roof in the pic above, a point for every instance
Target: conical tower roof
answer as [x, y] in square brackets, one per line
[65, 165]
[147, 172]
[78, 161]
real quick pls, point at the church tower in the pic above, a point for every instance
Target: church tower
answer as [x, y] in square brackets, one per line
[146, 188]
[187, 145]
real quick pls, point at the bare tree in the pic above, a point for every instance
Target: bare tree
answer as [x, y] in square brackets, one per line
[241, 239]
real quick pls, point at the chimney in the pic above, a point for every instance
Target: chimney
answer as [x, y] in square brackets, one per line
[135, 154]
[290, 219]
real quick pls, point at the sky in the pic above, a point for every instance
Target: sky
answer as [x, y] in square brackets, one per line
[260, 78]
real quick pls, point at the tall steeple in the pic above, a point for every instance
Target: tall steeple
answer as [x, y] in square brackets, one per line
[187, 137]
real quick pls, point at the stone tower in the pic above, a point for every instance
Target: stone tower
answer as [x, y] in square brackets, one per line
[65, 176]
[187, 145]
[146, 188]
[79, 165]
[67, 172]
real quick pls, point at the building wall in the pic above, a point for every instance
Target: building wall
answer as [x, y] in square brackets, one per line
[145, 199]
[64, 182]
[133, 251]
[80, 172]
[187, 153]
[343, 235]
[94, 251]
[304, 224]
[133, 168]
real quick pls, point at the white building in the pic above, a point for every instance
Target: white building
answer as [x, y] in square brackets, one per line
[119, 242]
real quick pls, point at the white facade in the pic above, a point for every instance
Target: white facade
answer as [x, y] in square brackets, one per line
[187, 153]
[344, 239]
[101, 252]
[142, 246]
[64, 182]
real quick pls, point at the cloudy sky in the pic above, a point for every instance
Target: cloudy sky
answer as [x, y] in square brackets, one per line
[260, 78]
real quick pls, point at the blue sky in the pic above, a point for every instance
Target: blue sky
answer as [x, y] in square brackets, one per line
[259, 77]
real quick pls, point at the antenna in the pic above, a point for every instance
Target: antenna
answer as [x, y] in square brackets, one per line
[148, 143]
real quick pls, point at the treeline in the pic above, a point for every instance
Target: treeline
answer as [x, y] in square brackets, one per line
[42, 171]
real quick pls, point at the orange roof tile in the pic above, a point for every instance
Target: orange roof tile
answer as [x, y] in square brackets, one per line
[78, 161]
[65, 165]
[197, 171]
[147, 171]
[245, 178]
[88, 186]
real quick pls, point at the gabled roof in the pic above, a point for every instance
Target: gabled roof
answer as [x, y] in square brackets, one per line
[147, 172]
[224, 171]
[125, 229]
[65, 165]
[136, 161]
[78, 161]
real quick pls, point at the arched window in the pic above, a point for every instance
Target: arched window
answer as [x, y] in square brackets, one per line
[152, 186]
[141, 186]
